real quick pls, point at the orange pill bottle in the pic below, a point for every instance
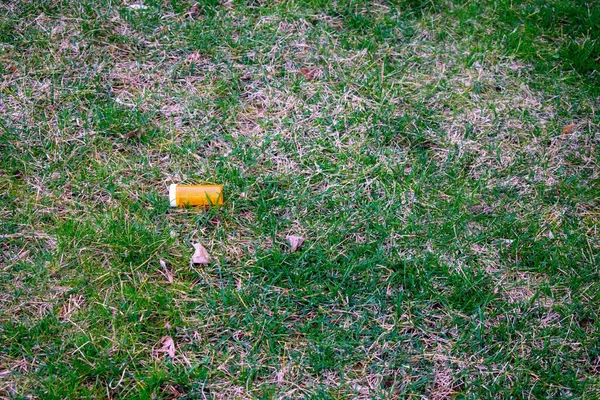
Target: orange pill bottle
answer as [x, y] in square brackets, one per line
[195, 195]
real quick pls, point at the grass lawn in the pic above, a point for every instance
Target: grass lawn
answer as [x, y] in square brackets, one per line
[441, 160]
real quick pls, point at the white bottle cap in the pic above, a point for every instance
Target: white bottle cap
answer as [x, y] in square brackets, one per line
[172, 194]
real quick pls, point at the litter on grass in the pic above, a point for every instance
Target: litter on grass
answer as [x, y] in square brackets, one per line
[195, 195]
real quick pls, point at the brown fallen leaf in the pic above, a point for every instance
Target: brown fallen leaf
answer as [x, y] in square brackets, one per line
[200, 255]
[310, 73]
[295, 242]
[166, 272]
[568, 129]
[167, 345]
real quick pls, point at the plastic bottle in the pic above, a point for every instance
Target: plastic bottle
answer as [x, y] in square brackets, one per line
[195, 195]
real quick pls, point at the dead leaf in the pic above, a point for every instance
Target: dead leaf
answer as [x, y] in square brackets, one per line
[167, 346]
[166, 272]
[310, 73]
[200, 255]
[568, 129]
[295, 242]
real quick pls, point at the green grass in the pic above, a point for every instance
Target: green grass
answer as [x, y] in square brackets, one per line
[451, 224]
